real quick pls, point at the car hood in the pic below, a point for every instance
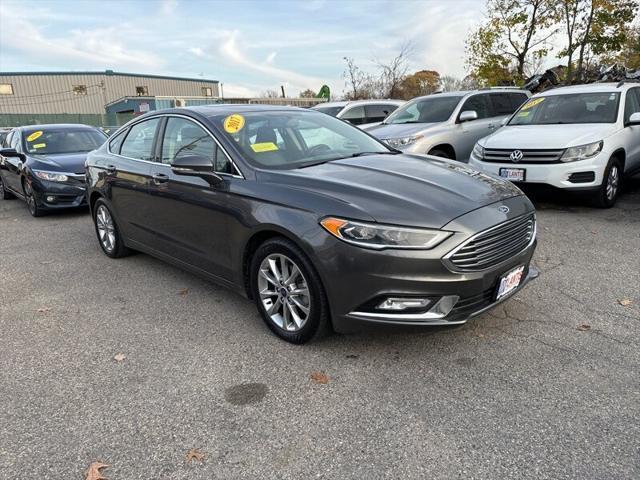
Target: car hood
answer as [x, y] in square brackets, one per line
[59, 162]
[396, 189]
[547, 136]
[399, 130]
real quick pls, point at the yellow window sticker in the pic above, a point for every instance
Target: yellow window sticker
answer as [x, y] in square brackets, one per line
[34, 136]
[39, 145]
[233, 123]
[523, 114]
[264, 147]
[532, 103]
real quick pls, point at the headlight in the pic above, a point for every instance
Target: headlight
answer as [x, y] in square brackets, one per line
[372, 235]
[402, 142]
[478, 151]
[582, 152]
[52, 177]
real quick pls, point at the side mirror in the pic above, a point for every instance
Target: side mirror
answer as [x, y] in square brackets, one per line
[634, 119]
[468, 116]
[11, 152]
[195, 166]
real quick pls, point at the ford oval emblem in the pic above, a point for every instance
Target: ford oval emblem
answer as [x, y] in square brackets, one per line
[503, 209]
[516, 156]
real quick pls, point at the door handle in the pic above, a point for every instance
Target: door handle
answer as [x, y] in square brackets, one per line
[160, 178]
[111, 169]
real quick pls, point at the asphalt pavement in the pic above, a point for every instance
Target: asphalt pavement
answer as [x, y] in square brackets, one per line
[546, 386]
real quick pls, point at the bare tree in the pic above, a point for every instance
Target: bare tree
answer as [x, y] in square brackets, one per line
[357, 82]
[269, 94]
[450, 83]
[394, 71]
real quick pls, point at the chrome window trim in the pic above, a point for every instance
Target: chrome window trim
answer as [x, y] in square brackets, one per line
[187, 117]
[451, 266]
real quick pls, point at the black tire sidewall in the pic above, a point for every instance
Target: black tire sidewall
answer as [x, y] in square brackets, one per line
[318, 321]
[37, 211]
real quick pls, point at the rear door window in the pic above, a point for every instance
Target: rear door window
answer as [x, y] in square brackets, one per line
[116, 142]
[139, 142]
[354, 115]
[506, 103]
[378, 112]
[479, 104]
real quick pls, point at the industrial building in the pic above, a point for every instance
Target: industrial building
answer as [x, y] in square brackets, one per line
[107, 98]
[83, 97]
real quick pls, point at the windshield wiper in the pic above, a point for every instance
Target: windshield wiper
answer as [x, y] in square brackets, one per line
[362, 154]
[408, 121]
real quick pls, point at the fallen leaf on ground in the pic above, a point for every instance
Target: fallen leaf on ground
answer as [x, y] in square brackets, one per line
[584, 327]
[183, 291]
[319, 377]
[194, 454]
[625, 302]
[93, 472]
[119, 357]
[44, 310]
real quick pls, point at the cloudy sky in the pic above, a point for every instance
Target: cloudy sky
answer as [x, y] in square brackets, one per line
[250, 46]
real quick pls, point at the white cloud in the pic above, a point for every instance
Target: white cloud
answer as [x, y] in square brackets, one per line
[97, 47]
[167, 7]
[230, 50]
[197, 51]
[232, 90]
[271, 57]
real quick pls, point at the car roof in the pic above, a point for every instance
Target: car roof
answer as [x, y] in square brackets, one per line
[230, 108]
[370, 101]
[57, 126]
[605, 87]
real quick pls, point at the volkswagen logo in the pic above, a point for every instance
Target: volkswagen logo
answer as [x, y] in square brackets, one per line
[516, 156]
[503, 209]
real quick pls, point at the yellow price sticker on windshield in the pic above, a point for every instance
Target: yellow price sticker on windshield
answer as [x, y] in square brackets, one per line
[264, 147]
[532, 103]
[523, 114]
[34, 136]
[233, 123]
[39, 145]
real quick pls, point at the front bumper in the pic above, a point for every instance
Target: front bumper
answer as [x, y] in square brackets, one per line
[356, 279]
[558, 175]
[57, 195]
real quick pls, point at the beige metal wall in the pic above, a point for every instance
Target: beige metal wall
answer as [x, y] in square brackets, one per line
[53, 93]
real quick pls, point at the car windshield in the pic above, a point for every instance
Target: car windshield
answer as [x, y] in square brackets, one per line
[425, 110]
[596, 107]
[333, 111]
[294, 139]
[52, 141]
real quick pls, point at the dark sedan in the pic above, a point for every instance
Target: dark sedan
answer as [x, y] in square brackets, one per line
[321, 224]
[44, 165]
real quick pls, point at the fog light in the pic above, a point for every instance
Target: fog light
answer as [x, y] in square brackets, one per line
[51, 199]
[398, 303]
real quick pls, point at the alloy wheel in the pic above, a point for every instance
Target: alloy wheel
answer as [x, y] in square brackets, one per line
[613, 181]
[284, 292]
[106, 228]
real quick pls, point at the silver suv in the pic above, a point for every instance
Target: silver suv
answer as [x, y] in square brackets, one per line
[449, 124]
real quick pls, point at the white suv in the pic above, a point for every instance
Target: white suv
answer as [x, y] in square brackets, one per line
[583, 138]
[363, 113]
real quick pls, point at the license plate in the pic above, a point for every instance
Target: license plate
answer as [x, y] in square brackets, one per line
[513, 174]
[509, 282]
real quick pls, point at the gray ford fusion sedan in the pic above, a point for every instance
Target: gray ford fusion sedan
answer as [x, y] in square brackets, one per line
[322, 225]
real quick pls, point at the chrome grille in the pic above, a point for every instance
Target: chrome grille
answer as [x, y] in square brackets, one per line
[493, 246]
[502, 155]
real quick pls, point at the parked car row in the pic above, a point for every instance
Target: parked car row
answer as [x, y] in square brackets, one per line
[322, 224]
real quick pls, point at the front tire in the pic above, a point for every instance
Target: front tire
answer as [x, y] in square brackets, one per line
[32, 202]
[107, 231]
[288, 292]
[611, 183]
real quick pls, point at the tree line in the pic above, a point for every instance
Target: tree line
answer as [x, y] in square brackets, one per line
[516, 40]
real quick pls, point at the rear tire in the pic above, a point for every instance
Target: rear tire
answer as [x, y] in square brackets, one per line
[611, 182]
[288, 292]
[107, 231]
[4, 193]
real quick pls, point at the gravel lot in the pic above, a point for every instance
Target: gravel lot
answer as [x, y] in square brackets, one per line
[519, 392]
